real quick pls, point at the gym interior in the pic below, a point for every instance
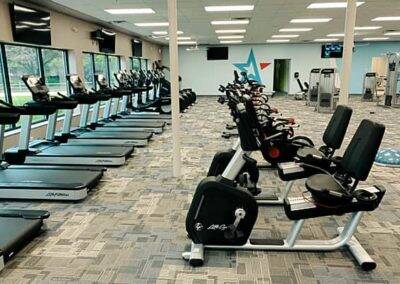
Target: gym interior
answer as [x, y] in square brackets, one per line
[186, 141]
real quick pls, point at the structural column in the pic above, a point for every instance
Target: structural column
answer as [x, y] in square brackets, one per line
[348, 44]
[174, 73]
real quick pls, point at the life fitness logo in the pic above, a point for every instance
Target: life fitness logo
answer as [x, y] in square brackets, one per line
[251, 67]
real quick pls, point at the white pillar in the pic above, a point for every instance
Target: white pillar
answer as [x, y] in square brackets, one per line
[174, 73]
[348, 44]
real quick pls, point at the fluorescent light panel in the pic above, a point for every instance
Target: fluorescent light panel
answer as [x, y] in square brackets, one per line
[130, 11]
[285, 36]
[181, 38]
[375, 38]
[231, 37]
[392, 34]
[230, 22]
[311, 20]
[367, 28]
[230, 41]
[164, 32]
[386, 19]
[277, 40]
[331, 5]
[240, 31]
[161, 24]
[339, 35]
[231, 8]
[325, 39]
[187, 42]
[296, 30]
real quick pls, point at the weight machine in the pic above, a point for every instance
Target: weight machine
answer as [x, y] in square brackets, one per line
[328, 94]
[392, 92]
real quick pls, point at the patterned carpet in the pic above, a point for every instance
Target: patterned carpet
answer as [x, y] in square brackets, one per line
[131, 228]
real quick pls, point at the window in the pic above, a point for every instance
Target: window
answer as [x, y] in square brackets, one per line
[114, 67]
[136, 64]
[88, 71]
[21, 60]
[100, 65]
[55, 70]
[144, 64]
[2, 85]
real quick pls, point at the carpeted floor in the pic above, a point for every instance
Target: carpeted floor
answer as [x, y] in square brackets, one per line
[131, 228]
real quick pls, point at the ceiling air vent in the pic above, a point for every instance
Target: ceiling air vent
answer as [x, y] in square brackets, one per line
[118, 22]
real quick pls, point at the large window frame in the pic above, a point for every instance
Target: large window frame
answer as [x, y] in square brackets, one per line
[93, 67]
[39, 53]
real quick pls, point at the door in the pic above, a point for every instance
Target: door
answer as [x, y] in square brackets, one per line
[281, 76]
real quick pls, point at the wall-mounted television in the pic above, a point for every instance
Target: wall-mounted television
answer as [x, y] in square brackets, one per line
[108, 43]
[332, 50]
[218, 53]
[30, 25]
[137, 48]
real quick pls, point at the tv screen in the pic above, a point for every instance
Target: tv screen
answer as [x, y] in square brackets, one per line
[30, 25]
[107, 41]
[332, 51]
[217, 53]
[137, 48]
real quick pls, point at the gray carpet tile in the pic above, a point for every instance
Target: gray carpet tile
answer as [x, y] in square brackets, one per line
[131, 228]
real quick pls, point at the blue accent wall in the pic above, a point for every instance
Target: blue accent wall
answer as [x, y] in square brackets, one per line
[362, 59]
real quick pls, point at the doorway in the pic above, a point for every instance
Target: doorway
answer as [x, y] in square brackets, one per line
[281, 76]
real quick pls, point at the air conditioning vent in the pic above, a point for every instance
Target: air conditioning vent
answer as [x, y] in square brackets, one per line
[118, 22]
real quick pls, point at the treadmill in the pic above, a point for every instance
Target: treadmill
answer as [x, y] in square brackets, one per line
[85, 133]
[125, 82]
[51, 152]
[41, 182]
[17, 227]
[110, 118]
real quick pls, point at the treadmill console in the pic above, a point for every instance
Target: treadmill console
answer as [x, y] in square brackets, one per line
[37, 87]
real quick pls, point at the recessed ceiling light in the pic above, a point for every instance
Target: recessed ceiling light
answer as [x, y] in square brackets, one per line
[229, 8]
[161, 24]
[386, 19]
[325, 39]
[375, 38]
[181, 38]
[231, 37]
[392, 34]
[296, 30]
[230, 22]
[285, 36]
[339, 35]
[311, 20]
[187, 42]
[277, 40]
[130, 11]
[367, 28]
[164, 32]
[241, 31]
[230, 41]
[331, 5]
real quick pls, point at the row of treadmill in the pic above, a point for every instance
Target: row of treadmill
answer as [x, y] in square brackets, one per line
[66, 165]
[227, 203]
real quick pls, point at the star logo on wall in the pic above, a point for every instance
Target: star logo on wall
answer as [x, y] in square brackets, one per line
[251, 67]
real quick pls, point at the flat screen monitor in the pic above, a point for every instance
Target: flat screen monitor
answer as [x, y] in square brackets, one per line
[107, 41]
[218, 53]
[333, 50]
[30, 25]
[137, 47]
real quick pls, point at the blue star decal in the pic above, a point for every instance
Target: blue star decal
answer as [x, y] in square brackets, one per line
[250, 67]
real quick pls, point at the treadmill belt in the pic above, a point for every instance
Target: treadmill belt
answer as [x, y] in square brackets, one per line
[15, 233]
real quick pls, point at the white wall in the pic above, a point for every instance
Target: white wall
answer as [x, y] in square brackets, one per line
[205, 76]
